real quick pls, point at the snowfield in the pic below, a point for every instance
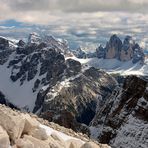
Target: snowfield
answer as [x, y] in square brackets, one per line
[22, 96]
[115, 66]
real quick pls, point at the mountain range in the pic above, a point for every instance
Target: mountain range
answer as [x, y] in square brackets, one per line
[86, 94]
[116, 49]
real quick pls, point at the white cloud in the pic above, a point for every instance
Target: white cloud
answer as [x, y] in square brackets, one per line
[90, 22]
[45, 11]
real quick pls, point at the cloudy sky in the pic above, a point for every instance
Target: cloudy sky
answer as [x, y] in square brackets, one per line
[42, 11]
[81, 22]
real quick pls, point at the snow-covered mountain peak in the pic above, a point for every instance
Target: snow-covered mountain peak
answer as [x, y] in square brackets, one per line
[34, 38]
[36, 77]
[27, 67]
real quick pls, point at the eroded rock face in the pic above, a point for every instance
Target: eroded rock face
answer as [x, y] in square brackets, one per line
[113, 47]
[5, 50]
[123, 51]
[100, 52]
[124, 115]
[75, 99]
[127, 49]
[25, 67]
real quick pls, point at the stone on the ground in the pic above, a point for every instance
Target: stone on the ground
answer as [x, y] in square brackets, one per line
[39, 133]
[12, 122]
[4, 138]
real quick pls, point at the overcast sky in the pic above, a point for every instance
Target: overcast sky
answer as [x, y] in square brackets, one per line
[82, 22]
[75, 5]
[44, 10]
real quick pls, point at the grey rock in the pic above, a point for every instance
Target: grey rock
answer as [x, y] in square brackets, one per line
[100, 51]
[122, 107]
[123, 51]
[77, 102]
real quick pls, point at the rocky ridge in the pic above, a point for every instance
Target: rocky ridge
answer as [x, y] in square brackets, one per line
[38, 62]
[27, 132]
[75, 100]
[122, 120]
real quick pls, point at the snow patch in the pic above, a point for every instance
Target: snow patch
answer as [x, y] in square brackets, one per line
[132, 134]
[115, 66]
[63, 136]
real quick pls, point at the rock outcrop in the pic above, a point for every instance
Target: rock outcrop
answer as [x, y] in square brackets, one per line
[5, 50]
[4, 138]
[113, 47]
[75, 99]
[122, 120]
[82, 53]
[123, 51]
[19, 130]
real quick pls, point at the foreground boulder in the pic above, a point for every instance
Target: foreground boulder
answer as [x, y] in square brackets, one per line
[73, 143]
[30, 124]
[12, 123]
[93, 145]
[4, 138]
[36, 142]
[39, 133]
[20, 130]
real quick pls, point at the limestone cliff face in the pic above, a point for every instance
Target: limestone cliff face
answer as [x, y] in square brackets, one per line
[75, 99]
[127, 52]
[123, 51]
[113, 47]
[126, 55]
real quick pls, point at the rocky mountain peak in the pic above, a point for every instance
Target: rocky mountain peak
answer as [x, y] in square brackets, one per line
[123, 51]
[76, 95]
[34, 38]
[115, 41]
[4, 43]
[113, 47]
[129, 40]
[79, 53]
[38, 62]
